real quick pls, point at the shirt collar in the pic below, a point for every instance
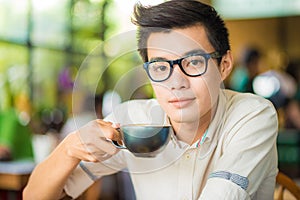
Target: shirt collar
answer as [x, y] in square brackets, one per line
[217, 121]
[212, 132]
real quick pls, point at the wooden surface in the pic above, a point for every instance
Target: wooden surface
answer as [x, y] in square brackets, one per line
[13, 181]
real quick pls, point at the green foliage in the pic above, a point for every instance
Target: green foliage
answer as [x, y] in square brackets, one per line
[55, 35]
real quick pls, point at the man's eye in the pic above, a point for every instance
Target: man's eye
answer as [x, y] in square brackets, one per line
[196, 62]
[159, 68]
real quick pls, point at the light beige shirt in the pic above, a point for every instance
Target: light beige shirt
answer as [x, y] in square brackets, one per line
[237, 159]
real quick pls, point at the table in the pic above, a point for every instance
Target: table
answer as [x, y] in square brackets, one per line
[15, 174]
[13, 178]
[13, 181]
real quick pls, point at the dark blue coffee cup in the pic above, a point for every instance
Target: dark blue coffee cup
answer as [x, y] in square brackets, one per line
[144, 140]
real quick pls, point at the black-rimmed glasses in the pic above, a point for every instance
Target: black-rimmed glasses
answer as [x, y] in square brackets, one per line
[192, 65]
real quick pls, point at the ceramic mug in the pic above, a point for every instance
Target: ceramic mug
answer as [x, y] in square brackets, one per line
[144, 140]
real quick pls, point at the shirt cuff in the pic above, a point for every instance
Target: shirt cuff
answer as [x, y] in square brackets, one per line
[223, 189]
[77, 183]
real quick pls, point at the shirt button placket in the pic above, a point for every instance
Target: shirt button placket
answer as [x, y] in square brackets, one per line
[186, 172]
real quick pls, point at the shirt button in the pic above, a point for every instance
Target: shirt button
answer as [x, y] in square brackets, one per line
[187, 156]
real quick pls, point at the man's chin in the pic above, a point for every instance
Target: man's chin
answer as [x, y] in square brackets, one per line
[184, 118]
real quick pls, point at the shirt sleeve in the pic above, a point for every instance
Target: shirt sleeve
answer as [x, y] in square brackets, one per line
[249, 157]
[77, 183]
[87, 173]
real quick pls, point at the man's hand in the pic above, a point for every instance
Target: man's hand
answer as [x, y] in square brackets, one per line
[90, 142]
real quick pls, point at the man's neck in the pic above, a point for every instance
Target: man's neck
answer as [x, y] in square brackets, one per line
[191, 132]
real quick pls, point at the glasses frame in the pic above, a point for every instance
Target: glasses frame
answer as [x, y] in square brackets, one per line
[206, 56]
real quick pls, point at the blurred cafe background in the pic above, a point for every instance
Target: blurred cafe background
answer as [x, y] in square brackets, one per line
[57, 69]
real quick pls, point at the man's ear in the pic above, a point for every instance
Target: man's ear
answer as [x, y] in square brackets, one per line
[226, 65]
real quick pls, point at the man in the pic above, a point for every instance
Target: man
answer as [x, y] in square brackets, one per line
[225, 142]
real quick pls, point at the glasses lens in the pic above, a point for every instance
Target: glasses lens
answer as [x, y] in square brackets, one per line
[194, 65]
[159, 71]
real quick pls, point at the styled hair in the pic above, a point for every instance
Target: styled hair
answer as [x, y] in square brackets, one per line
[179, 14]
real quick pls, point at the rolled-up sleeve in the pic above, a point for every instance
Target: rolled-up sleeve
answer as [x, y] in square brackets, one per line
[77, 183]
[87, 172]
[227, 190]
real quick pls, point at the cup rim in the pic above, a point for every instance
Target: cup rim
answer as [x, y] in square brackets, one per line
[146, 125]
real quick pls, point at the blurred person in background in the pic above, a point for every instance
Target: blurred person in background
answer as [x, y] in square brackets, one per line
[15, 137]
[281, 86]
[292, 107]
[15, 133]
[243, 75]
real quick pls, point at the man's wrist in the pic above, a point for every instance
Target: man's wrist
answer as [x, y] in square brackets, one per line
[68, 149]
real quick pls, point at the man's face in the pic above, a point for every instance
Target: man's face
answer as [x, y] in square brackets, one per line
[185, 99]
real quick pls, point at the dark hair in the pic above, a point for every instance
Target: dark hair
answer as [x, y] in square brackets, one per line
[179, 14]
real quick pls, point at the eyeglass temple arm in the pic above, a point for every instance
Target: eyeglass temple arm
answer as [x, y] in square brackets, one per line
[215, 55]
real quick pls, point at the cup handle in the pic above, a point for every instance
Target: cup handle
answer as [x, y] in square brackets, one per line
[116, 144]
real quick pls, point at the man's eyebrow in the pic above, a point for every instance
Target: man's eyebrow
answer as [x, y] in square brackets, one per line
[158, 59]
[194, 51]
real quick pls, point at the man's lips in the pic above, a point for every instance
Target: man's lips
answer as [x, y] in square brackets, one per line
[181, 103]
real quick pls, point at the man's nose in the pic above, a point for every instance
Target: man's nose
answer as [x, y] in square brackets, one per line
[178, 79]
